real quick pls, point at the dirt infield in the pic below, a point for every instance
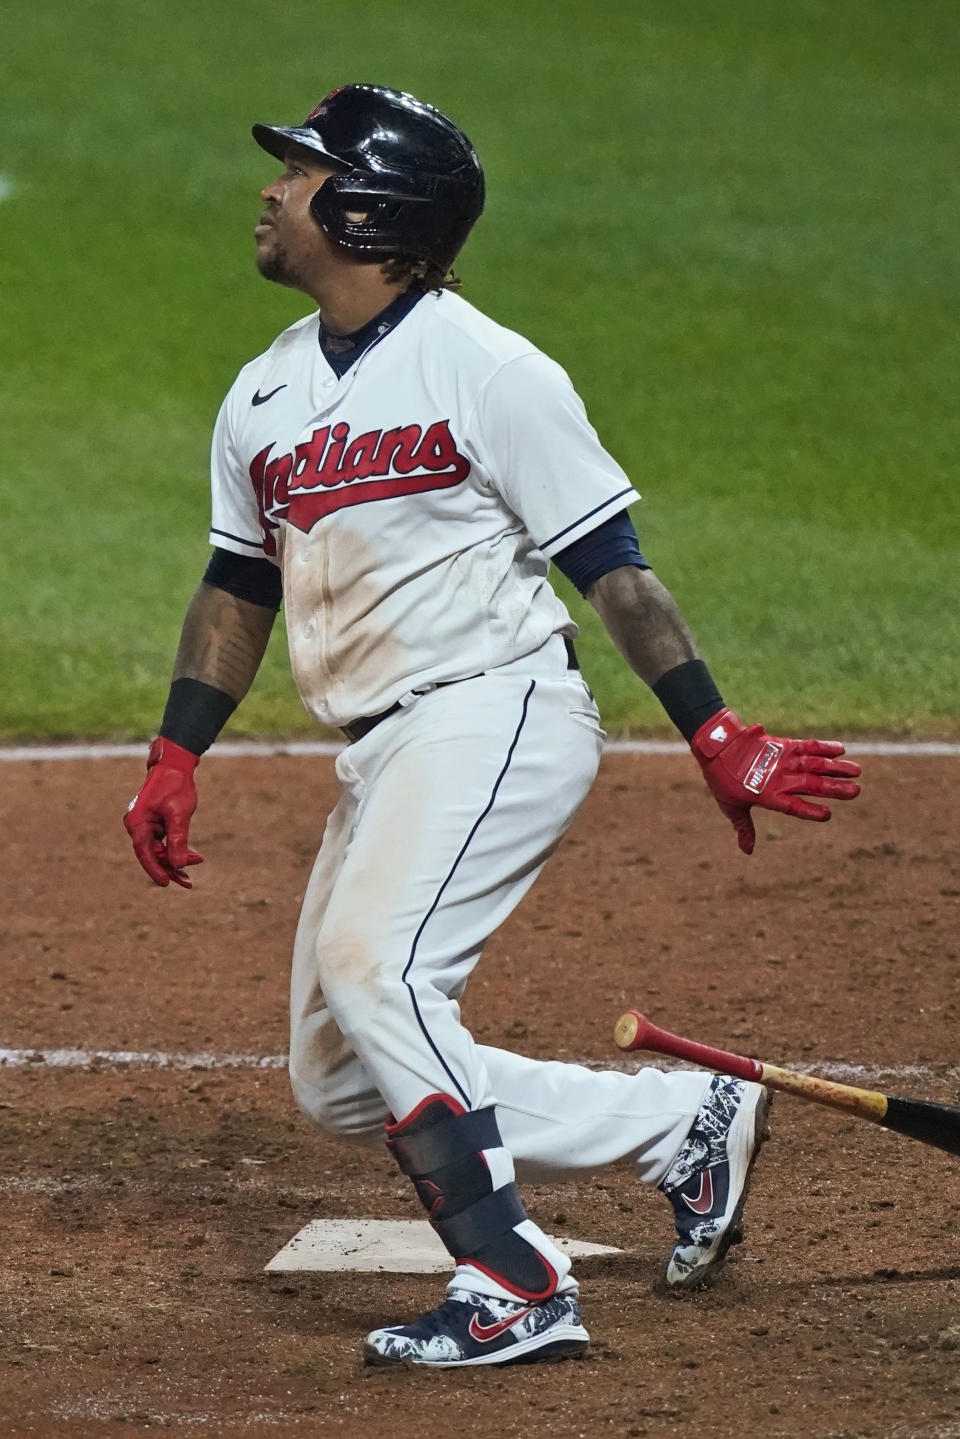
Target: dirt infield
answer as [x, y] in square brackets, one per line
[142, 1203]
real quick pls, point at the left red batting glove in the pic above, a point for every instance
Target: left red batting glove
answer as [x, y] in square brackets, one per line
[744, 766]
[158, 817]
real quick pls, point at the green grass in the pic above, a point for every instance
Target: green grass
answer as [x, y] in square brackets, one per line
[735, 225]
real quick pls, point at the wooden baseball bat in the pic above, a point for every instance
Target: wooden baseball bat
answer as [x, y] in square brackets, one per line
[937, 1124]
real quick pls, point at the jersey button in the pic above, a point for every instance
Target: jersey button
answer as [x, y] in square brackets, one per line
[329, 384]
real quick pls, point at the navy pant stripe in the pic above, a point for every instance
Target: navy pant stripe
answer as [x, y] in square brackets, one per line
[466, 845]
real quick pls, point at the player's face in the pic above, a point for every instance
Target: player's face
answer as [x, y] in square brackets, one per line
[290, 243]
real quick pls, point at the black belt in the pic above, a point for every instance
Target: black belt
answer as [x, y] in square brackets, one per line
[357, 728]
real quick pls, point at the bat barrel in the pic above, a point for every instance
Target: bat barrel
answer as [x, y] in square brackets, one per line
[867, 1103]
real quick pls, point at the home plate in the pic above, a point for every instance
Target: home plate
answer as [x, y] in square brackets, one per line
[386, 1246]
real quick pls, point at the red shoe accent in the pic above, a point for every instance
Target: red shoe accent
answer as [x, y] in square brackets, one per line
[483, 1333]
[704, 1200]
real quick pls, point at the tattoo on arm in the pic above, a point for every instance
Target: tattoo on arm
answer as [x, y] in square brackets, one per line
[223, 641]
[643, 620]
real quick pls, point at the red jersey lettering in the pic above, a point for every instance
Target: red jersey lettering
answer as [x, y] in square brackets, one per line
[330, 471]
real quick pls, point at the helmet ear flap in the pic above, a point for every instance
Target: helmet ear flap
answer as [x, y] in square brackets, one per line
[378, 215]
[320, 200]
[345, 218]
[329, 202]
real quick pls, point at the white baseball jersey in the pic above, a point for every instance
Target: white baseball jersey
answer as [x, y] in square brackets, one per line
[413, 504]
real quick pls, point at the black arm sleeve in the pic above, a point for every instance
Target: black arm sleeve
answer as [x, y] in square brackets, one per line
[257, 581]
[609, 547]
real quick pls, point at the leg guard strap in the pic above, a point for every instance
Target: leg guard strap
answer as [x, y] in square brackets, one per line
[482, 1222]
[452, 1139]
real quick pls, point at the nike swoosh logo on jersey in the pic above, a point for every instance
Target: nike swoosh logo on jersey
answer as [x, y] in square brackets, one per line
[259, 399]
[704, 1200]
[483, 1333]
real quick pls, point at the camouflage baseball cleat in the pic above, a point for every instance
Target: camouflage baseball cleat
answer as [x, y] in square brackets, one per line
[708, 1181]
[472, 1329]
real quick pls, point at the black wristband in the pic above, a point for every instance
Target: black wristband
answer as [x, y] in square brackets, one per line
[195, 714]
[689, 696]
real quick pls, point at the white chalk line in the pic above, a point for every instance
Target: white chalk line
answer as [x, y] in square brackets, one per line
[134, 1059]
[315, 749]
[94, 1060]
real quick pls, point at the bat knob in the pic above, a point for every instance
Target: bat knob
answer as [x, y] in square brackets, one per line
[626, 1029]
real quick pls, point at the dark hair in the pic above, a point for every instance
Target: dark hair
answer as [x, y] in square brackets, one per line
[421, 274]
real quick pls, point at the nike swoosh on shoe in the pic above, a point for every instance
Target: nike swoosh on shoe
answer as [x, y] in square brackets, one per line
[704, 1200]
[483, 1333]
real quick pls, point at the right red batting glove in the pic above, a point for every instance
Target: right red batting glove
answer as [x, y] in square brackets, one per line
[744, 766]
[158, 817]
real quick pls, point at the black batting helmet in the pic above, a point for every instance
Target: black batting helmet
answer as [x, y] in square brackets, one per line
[408, 171]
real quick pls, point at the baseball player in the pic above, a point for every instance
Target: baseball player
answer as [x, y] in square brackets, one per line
[403, 471]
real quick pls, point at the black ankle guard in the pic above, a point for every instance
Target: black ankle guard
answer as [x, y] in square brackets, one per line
[440, 1147]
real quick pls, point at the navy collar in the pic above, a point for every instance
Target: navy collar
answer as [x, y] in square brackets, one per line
[342, 351]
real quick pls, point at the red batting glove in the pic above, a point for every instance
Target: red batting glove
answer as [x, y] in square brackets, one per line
[744, 766]
[157, 819]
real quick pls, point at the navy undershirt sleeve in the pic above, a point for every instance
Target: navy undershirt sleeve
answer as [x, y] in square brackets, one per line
[254, 580]
[609, 547]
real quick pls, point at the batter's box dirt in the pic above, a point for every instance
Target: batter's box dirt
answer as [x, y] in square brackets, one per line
[142, 1204]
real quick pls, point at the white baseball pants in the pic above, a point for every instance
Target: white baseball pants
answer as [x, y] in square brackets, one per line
[448, 811]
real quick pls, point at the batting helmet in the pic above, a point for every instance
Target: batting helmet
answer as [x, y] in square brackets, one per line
[408, 181]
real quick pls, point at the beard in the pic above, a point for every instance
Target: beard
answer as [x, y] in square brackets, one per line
[275, 265]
